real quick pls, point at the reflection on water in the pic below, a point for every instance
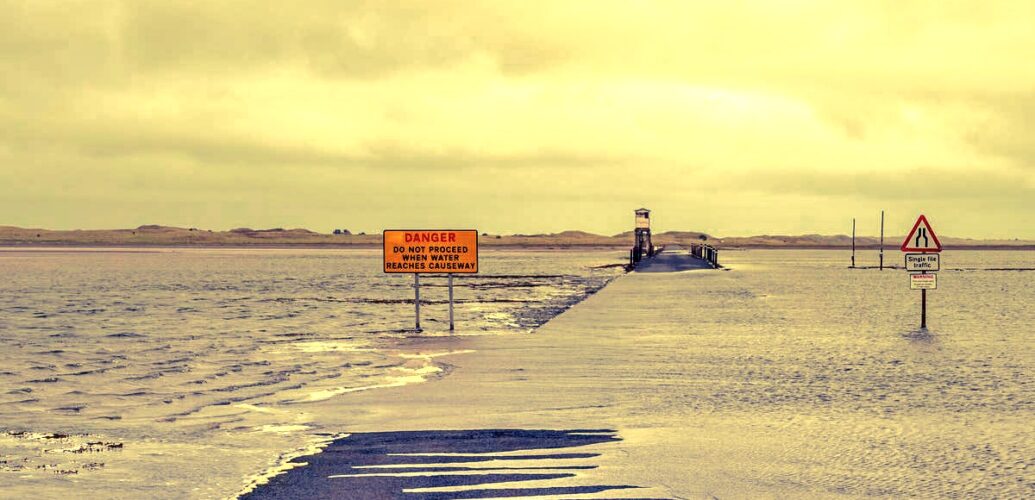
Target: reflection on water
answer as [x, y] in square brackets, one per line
[486, 463]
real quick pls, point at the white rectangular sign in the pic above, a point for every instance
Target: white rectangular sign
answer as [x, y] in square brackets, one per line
[925, 262]
[923, 281]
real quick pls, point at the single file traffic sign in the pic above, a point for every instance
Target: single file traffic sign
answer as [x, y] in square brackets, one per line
[925, 262]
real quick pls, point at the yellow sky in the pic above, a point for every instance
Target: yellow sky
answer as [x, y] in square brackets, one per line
[733, 117]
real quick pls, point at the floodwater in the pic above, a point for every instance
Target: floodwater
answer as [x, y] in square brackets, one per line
[189, 373]
[186, 372]
[788, 376]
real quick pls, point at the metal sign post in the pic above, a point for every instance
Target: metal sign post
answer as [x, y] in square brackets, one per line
[853, 242]
[881, 265]
[451, 327]
[416, 299]
[923, 308]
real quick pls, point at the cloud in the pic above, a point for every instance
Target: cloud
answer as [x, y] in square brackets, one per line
[509, 113]
[928, 185]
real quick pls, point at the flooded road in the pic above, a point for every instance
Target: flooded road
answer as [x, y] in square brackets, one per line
[787, 376]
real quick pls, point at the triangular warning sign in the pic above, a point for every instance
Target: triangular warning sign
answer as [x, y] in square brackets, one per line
[922, 238]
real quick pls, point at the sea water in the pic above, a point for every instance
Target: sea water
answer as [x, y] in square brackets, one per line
[188, 372]
[194, 373]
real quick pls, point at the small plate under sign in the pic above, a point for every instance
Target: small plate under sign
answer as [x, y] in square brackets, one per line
[923, 281]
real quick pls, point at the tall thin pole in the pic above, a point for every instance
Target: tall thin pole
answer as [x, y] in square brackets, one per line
[416, 298]
[853, 242]
[923, 308]
[450, 301]
[881, 240]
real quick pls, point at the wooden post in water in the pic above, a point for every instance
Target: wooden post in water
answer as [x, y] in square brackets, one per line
[853, 242]
[451, 302]
[416, 299]
[881, 240]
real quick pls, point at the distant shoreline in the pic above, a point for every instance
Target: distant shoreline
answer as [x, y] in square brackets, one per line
[17, 245]
[154, 236]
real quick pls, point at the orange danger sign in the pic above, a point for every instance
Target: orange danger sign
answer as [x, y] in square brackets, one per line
[430, 251]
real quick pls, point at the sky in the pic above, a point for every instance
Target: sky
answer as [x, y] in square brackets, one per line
[735, 118]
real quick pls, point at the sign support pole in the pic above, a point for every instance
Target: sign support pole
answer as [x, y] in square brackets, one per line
[416, 298]
[923, 309]
[451, 327]
[881, 240]
[853, 242]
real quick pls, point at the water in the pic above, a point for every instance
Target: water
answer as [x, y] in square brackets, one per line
[789, 376]
[185, 372]
[799, 375]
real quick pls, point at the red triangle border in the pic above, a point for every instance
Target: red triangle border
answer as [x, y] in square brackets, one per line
[909, 237]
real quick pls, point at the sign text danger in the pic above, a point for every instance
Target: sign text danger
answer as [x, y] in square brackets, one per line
[430, 251]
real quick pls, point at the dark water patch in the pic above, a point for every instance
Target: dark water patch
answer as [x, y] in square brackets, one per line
[919, 336]
[115, 358]
[439, 302]
[172, 361]
[22, 401]
[253, 363]
[164, 347]
[262, 383]
[223, 402]
[20, 390]
[95, 447]
[126, 335]
[48, 380]
[509, 285]
[137, 393]
[303, 299]
[88, 312]
[514, 276]
[349, 464]
[95, 371]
